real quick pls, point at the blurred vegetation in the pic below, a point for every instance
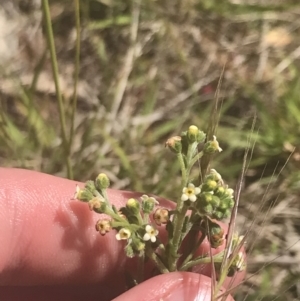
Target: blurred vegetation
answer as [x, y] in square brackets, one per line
[148, 69]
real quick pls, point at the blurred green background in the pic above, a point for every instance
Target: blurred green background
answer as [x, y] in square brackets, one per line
[149, 69]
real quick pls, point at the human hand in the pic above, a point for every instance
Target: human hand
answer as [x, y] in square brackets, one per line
[49, 249]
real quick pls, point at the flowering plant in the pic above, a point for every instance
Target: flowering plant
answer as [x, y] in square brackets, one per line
[193, 218]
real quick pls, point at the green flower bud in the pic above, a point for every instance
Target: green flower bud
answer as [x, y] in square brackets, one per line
[215, 201]
[133, 206]
[102, 181]
[220, 191]
[212, 146]
[215, 175]
[148, 204]
[218, 215]
[230, 204]
[226, 203]
[206, 197]
[216, 234]
[137, 244]
[229, 192]
[129, 251]
[90, 186]
[174, 144]
[227, 213]
[209, 185]
[82, 194]
[208, 209]
[195, 135]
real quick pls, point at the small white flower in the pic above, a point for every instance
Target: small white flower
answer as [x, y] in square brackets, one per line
[230, 192]
[190, 193]
[217, 144]
[240, 261]
[218, 177]
[123, 234]
[150, 234]
[77, 192]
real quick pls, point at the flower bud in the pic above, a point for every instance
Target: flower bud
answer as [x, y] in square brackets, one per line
[216, 234]
[133, 206]
[90, 186]
[209, 185]
[212, 146]
[138, 245]
[94, 203]
[215, 175]
[229, 192]
[226, 213]
[195, 135]
[226, 203]
[102, 181]
[97, 205]
[148, 203]
[206, 197]
[82, 194]
[161, 216]
[215, 201]
[129, 251]
[220, 191]
[103, 226]
[207, 209]
[174, 144]
[218, 215]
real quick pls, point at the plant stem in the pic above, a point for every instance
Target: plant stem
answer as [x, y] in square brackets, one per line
[175, 241]
[51, 45]
[194, 160]
[195, 247]
[183, 171]
[141, 268]
[201, 259]
[178, 219]
[151, 254]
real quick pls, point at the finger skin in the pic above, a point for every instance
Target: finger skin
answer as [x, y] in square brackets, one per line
[181, 286]
[47, 238]
[177, 286]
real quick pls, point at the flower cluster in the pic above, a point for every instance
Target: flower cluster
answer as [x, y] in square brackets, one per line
[216, 199]
[132, 222]
[212, 198]
[196, 209]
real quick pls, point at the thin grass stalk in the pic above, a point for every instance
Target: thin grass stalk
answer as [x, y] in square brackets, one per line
[54, 64]
[76, 73]
[37, 71]
[127, 65]
[228, 254]
[212, 126]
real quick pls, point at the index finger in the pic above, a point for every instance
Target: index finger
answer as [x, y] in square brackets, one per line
[47, 238]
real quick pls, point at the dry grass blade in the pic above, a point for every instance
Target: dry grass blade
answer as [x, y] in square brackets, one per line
[212, 126]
